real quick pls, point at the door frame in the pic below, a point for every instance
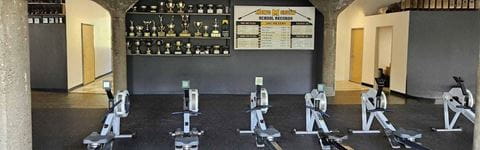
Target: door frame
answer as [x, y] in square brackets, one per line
[83, 63]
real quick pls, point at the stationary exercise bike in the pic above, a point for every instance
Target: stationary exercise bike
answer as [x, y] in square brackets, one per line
[118, 107]
[316, 107]
[374, 104]
[188, 138]
[265, 136]
[459, 100]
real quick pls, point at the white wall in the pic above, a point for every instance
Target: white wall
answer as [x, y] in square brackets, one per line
[356, 16]
[400, 24]
[87, 12]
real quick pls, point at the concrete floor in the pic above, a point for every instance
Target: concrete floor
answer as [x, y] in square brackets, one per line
[58, 126]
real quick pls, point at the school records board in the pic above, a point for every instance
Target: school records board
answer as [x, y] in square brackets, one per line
[274, 28]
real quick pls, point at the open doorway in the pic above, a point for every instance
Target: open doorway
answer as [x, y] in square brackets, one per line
[383, 53]
[89, 46]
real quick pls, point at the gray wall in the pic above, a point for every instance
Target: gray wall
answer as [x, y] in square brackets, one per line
[48, 56]
[442, 45]
[285, 72]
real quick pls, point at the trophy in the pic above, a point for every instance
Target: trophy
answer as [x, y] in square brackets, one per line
[198, 49]
[188, 46]
[154, 30]
[200, 9]
[161, 28]
[170, 5]
[198, 25]
[143, 8]
[210, 9]
[215, 31]
[181, 6]
[137, 44]
[171, 27]
[190, 9]
[219, 9]
[134, 9]
[226, 10]
[205, 31]
[159, 45]
[132, 29]
[225, 50]
[216, 49]
[147, 29]
[207, 49]
[139, 30]
[185, 25]
[225, 28]
[149, 47]
[153, 8]
[161, 7]
[167, 48]
[178, 49]
[128, 48]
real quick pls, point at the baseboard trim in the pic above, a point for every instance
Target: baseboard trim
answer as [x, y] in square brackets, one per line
[75, 87]
[366, 84]
[103, 75]
[50, 90]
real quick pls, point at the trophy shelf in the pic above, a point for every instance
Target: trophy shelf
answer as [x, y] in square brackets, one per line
[182, 55]
[179, 14]
[179, 37]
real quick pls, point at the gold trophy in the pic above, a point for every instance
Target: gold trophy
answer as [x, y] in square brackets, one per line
[215, 32]
[188, 46]
[205, 31]
[171, 28]
[178, 49]
[198, 26]
[132, 29]
[216, 49]
[170, 5]
[161, 28]
[185, 25]
[181, 7]
[147, 32]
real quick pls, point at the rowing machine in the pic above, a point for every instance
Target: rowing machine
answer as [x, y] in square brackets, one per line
[188, 138]
[316, 107]
[460, 100]
[265, 137]
[118, 107]
[374, 104]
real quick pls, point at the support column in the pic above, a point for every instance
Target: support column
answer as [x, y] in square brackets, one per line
[15, 96]
[329, 52]
[330, 10]
[476, 131]
[118, 9]
[119, 51]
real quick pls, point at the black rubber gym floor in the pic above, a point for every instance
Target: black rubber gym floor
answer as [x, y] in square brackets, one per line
[151, 120]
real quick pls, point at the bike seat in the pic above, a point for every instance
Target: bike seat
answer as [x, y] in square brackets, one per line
[269, 132]
[407, 134]
[96, 138]
[186, 140]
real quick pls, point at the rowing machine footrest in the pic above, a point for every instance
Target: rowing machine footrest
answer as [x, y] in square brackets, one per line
[95, 138]
[268, 133]
[407, 134]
